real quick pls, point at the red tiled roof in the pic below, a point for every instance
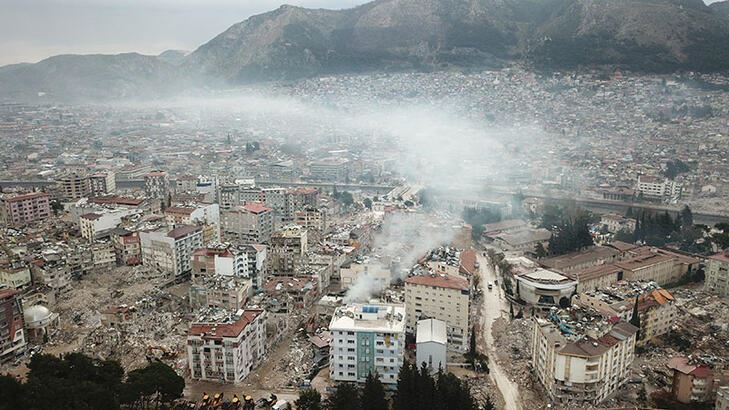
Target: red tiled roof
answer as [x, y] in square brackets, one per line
[439, 281]
[468, 262]
[7, 293]
[256, 207]
[215, 330]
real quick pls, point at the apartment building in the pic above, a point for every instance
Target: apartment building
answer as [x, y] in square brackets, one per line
[229, 293]
[14, 274]
[12, 338]
[367, 339]
[170, 251]
[219, 259]
[287, 253]
[102, 183]
[441, 297]
[157, 185]
[654, 187]
[311, 219]
[616, 223]
[329, 169]
[127, 247]
[717, 274]
[249, 223]
[693, 382]
[227, 350]
[74, 185]
[197, 214]
[431, 342]
[16, 210]
[100, 224]
[656, 308]
[585, 364]
[257, 256]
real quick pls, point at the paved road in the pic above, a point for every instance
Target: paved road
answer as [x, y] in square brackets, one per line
[494, 306]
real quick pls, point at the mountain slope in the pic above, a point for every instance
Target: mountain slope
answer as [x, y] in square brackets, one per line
[95, 77]
[292, 42]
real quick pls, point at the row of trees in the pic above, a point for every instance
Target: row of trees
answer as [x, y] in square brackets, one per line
[416, 389]
[76, 381]
[569, 227]
[477, 218]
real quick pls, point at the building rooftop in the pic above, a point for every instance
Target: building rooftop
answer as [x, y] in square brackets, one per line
[439, 281]
[369, 317]
[431, 330]
[226, 328]
[255, 208]
[721, 257]
[182, 231]
[578, 258]
[23, 197]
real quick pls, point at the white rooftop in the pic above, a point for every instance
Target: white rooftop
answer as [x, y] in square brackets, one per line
[431, 330]
[369, 317]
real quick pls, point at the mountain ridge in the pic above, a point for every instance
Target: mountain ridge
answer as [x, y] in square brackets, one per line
[292, 42]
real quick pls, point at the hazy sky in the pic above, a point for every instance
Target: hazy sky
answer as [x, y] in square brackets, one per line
[31, 30]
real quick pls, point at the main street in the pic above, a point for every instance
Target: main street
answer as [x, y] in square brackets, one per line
[494, 306]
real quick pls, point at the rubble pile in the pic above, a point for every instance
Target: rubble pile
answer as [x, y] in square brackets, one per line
[512, 342]
[298, 363]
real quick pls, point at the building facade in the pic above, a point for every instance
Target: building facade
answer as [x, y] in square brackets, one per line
[227, 351]
[249, 223]
[102, 183]
[16, 210]
[287, 253]
[170, 251]
[367, 339]
[12, 337]
[441, 297]
[717, 274]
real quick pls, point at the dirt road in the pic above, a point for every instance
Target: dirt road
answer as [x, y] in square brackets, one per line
[495, 306]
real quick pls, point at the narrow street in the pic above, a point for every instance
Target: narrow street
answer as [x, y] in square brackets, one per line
[494, 306]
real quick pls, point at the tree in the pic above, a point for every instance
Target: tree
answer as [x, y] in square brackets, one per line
[155, 383]
[373, 394]
[406, 392]
[539, 250]
[367, 203]
[687, 218]
[12, 394]
[635, 319]
[309, 399]
[472, 353]
[346, 198]
[346, 397]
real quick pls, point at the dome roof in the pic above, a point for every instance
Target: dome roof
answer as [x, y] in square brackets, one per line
[36, 314]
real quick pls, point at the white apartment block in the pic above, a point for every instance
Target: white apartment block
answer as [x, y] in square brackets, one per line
[585, 364]
[654, 187]
[170, 251]
[367, 338]
[441, 297]
[227, 351]
[717, 274]
[100, 223]
[208, 214]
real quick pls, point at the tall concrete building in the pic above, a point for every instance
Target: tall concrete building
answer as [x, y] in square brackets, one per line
[581, 357]
[287, 253]
[12, 338]
[157, 185]
[170, 251]
[367, 339]
[249, 223]
[227, 350]
[717, 274]
[442, 297]
[219, 259]
[102, 183]
[74, 185]
[16, 210]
